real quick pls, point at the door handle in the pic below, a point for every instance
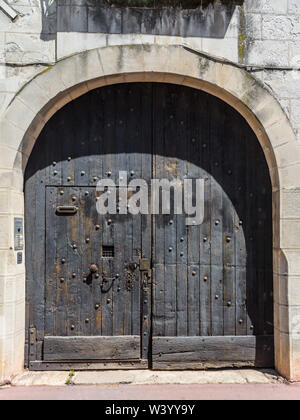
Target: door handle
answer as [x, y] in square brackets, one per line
[94, 268]
[66, 209]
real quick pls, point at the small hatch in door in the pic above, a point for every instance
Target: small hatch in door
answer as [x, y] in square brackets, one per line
[108, 251]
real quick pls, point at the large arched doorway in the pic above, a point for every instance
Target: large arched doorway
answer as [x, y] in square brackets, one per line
[164, 294]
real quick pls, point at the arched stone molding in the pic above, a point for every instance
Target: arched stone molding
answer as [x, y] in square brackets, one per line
[34, 105]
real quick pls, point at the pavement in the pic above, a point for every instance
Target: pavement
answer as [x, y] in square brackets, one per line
[155, 392]
[239, 384]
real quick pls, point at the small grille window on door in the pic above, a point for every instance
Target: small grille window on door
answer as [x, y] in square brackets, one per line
[108, 251]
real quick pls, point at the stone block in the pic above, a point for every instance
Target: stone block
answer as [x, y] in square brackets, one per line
[5, 237]
[20, 114]
[79, 68]
[69, 43]
[293, 6]
[273, 53]
[253, 25]
[290, 204]
[280, 133]
[290, 263]
[266, 6]
[225, 48]
[288, 154]
[289, 176]
[294, 290]
[28, 49]
[72, 18]
[290, 234]
[281, 27]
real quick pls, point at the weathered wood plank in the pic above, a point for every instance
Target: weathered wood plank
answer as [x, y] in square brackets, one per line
[218, 349]
[92, 348]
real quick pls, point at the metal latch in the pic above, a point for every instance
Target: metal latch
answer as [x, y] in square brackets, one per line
[144, 264]
[66, 209]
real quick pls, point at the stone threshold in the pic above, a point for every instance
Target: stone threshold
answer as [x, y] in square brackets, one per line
[148, 377]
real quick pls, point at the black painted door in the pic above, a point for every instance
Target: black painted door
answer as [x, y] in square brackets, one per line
[123, 290]
[212, 294]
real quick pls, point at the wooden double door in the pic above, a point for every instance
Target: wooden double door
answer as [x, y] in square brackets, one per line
[123, 290]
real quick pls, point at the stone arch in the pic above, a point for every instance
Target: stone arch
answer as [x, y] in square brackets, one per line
[36, 102]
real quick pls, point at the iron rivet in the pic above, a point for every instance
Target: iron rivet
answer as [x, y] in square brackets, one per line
[119, 289]
[87, 321]
[55, 173]
[132, 173]
[97, 306]
[217, 296]
[240, 321]
[204, 145]
[228, 239]
[252, 327]
[171, 117]
[54, 163]
[63, 260]
[82, 173]
[229, 172]
[74, 246]
[229, 304]
[97, 227]
[84, 280]
[217, 222]
[205, 239]
[69, 158]
[74, 198]
[170, 249]
[61, 192]
[145, 301]
[117, 276]
[95, 178]
[87, 240]
[109, 221]
[72, 327]
[86, 193]
[62, 279]
[205, 278]
[181, 239]
[171, 222]
[97, 276]
[181, 254]
[108, 173]
[193, 140]
[145, 317]
[108, 300]
[241, 222]
[194, 273]
[74, 275]
[69, 178]
[216, 163]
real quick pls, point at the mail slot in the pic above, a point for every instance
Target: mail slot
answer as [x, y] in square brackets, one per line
[66, 209]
